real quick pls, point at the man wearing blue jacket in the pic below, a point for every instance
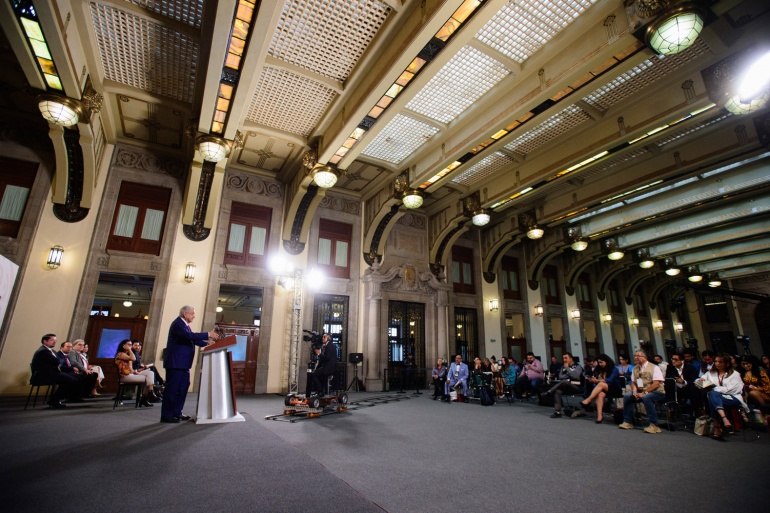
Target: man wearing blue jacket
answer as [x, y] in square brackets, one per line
[180, 350]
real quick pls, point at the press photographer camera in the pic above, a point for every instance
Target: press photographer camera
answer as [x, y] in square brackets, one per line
[315, 338]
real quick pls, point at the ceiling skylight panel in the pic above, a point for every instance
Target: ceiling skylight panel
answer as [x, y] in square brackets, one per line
[399, 139]
[484, 168]
[642, 75]
[549, 129]
[522, 27]
[288, 102]
[327, 37]
[463, 80]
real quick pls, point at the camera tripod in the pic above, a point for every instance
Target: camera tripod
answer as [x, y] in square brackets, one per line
[354, 381]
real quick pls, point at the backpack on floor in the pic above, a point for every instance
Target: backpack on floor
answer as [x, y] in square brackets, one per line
[486, 397]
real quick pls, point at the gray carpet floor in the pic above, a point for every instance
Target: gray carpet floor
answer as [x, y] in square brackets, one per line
[413, 455]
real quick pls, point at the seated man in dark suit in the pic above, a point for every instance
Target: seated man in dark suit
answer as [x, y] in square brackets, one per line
[86, 380]
[45, 370]
[680, 382]
[326, 366]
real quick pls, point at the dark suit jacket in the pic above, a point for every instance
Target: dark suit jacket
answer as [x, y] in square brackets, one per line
[64, 362]
[689, 373]
[180, 348]
[45, 366]
[327, 360]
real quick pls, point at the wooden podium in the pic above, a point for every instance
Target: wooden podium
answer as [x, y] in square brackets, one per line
[216, 400]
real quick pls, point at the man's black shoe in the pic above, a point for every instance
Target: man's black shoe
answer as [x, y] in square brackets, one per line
[185, 417]
[171, 420]
[56, 405]
[556, 415]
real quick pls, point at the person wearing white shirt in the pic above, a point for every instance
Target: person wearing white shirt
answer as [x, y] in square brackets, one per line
[725, 389]
[646, 386]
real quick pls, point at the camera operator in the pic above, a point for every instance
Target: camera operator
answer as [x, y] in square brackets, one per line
[325, 366]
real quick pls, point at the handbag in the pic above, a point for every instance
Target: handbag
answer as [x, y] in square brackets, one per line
[704, 426]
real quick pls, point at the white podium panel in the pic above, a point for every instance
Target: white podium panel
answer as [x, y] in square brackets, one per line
[216, 403]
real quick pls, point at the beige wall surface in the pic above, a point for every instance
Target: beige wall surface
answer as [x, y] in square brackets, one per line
[46, 297]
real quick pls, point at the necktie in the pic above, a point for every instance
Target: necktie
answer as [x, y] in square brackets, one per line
[67, 360]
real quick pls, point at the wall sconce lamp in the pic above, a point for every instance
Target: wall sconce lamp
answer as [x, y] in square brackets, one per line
[539, 310]
[678, 326]
[676, 29]
[212, 148]
[219, 309]
[635, 321]
[607, 317]
[659, 324]
[576, 314]
[643, 258]
[528, 221]
[59, 109]
[189, 272]
[54, 257]
[612, 249]
[324, 176]
[494, 305]
[693, 274]
[413, 198]
[714, 281]
[669, 265]
[480, 217]
[574, 237]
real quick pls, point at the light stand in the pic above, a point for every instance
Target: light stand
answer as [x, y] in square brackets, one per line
[354, 381]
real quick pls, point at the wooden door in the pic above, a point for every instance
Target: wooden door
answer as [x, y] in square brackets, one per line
[517, 348]
[103, 337]
[244, 355]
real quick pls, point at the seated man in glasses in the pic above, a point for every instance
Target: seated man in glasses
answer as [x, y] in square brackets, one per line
[647, 388]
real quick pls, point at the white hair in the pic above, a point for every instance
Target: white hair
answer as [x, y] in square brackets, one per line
[185, 308]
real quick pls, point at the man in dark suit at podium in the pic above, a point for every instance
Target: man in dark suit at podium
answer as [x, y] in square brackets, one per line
[326, 366]
[180, 350]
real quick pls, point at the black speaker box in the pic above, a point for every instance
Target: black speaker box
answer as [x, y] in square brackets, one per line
[356, 357]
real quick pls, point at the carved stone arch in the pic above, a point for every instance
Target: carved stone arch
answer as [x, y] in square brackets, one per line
[379, 229]
[609, 274]
[444, 240]
[654, 288]
[660, 287]
[637, 280]
[579, 265]
[545, 255]
[492, 261]
[299, 216]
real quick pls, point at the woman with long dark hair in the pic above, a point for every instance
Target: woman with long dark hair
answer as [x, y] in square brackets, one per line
[755, 381]
[123, 358]
[725, 388]
[606, 382]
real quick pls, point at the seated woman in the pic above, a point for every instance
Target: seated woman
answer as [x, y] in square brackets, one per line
[508, 372]
[606, 382]
[439, 377]
[755, 381]
[498, 378]
[97, 369]
[725, 387]
[624, 368]
[123, 358]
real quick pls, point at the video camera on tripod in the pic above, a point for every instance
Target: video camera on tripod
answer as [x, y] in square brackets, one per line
[315, 339]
